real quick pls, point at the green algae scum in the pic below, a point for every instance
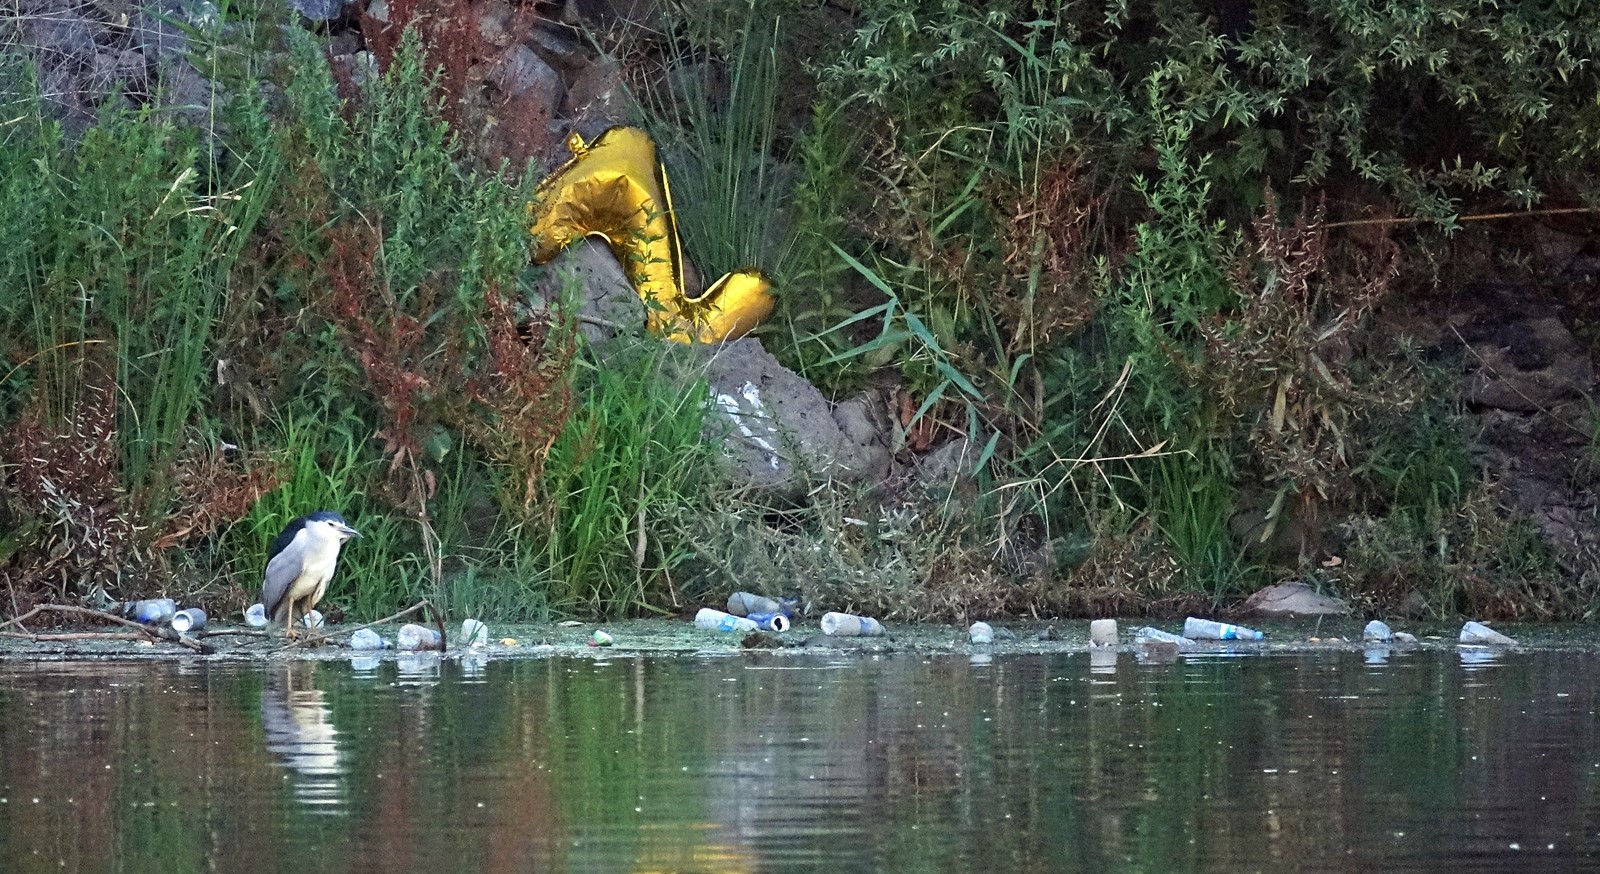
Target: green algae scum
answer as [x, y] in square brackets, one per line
[936, 757]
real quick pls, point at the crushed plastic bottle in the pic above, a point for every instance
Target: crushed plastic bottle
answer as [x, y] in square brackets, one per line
[716, 620]
[151, 611]
[1377, 632]
[745, 603]
[1154, 638]
[1477, 632]
[850, 625]
[980, 633]
[1205, 629]
[366, 638]
[312, 619]
[418, 637]
[256, 616]
[474, 633]
[191, 619]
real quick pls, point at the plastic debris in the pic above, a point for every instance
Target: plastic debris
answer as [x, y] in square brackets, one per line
[778, 621]
[509, 641]
[366, 638]
[1205, 629]
[419, 637]
[1477, 632]
[600, 638]
[312, 619]
[191, 619]
[474, 633]
[744, 603]
[1377, 631]
[1103, 632]
[1148, 638]
[152, 611]
[980, 633]
[850, 625]
[1404, 637]
[256, 616]
[716, 620]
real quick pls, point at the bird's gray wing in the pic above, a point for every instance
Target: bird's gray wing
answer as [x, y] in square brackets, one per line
[282, 571]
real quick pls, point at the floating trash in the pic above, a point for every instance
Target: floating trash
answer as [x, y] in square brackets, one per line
[191, 619]
[850, 625]
[1205, 629]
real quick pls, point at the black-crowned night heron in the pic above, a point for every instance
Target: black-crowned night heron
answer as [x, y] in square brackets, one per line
[300, 563]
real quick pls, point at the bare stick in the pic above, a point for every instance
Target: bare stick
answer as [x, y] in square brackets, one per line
[1481, 217]
[151, 634]
[79, 635]
[387, 619]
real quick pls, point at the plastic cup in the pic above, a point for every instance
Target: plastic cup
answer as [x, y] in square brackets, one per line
[474, 633]
[850, 625]
[1103, 632]
[192, 619]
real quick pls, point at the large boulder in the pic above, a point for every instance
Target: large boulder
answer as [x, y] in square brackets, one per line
[587, 274]
[1291, 600]
[780, 434]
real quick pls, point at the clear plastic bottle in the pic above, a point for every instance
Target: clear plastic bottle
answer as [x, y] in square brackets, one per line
[850, 625]
[366, 638]
[1206, 629]
[1477, 632]
[744, 603]
[980, 633]
[312, 619]
[415, 637]
[151, 611]
[1377, 632]
[716, 620]
[1146, 636]
[474, 633]
[256, 616]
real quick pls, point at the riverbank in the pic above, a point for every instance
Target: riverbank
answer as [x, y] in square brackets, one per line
[675, 638]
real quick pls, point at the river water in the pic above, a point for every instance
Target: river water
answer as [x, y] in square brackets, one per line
[1436, 760]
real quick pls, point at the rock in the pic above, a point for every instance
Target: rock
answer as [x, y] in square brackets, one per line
[521, 72]
[1293, 599]
[778, 432]
[864, 424]
[597, 99]
[62, 34]
[606, 300]
[319, 10]
[495, 24]
[947, 469]
[558, 45]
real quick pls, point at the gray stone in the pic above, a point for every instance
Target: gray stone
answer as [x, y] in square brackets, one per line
[587, 273]
[63, 34]
[558, 47]
[597, 99]
[1293, 599]
[522, 73]
[779, 431]
[948, 469]
[319, 10]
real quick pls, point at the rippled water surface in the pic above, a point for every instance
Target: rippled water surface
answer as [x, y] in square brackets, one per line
[1430, 761]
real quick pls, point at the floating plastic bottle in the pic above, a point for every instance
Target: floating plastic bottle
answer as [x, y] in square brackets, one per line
[366, 638]
[778, 622]
[1477, 632]
[312, 619]
[716, 620]
[744, 604]
[980, 632]
[192, 619]
[850, 625]
[1205, 629]
[474, 633]
[152, 611]
[1377, 632]
[1103, 632]
[416, 637]
[1147, 638]
[256, 616]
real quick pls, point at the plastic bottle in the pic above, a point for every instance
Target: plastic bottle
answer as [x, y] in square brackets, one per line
[312, 619]
[770, 621]
[256, 616]
[474, 633]
[850, 625]
[980, 632]
[192, 619]
[366, 638]
[415, 637]
[744, 604]
[152, 611]
[1103, 632]
[1205, 629]
[716, 620]
[1477, 632]
[1147, 636]
[1377, 632]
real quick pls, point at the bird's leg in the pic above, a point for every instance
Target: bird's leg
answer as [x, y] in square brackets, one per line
[289, 630]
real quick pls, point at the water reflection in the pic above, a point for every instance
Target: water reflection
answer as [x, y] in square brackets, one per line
[299, 731]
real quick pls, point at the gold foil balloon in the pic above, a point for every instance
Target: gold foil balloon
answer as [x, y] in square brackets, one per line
[615, 188]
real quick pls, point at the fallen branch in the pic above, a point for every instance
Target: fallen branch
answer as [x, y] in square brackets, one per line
[80, 635]
[424, 604]
[145, 632]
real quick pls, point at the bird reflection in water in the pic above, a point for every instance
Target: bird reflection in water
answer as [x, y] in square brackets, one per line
[299, 730]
